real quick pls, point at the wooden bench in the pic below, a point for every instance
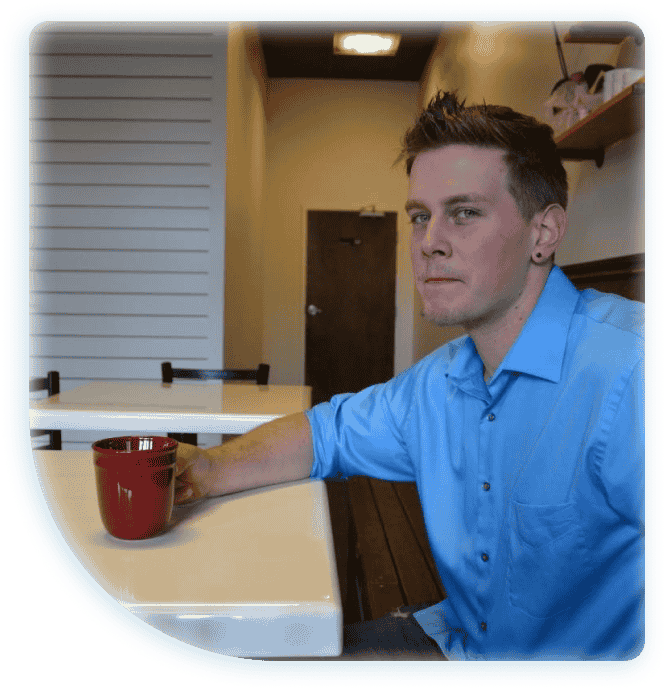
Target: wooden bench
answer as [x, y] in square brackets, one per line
[382, 552]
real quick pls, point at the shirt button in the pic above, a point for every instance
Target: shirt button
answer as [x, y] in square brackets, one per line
[484, 627]
[484, 556]
[490, 417]
[486, 486]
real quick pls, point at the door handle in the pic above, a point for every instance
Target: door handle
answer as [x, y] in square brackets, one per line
[313, 311]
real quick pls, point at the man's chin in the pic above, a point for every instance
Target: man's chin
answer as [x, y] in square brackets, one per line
[441, 319]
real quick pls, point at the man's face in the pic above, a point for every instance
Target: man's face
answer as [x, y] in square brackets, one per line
[471, 247]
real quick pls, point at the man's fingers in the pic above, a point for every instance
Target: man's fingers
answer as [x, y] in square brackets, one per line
[185, 457]
[184, 494]
[190, 473]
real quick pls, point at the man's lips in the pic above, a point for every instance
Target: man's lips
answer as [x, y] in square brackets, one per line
[435, 279]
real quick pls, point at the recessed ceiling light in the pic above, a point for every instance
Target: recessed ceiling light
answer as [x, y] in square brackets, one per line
[365, 44]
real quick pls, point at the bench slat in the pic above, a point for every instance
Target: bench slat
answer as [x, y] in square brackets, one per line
[379, 578]
[412, 569]
[409, 497]
[344, 540]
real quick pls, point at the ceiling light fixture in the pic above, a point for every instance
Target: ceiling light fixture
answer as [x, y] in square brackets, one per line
[365, 44]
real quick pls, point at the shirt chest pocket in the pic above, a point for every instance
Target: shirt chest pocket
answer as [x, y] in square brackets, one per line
[549, 562]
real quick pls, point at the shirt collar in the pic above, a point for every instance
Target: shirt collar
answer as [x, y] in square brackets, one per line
[538, 350]
[466, 370]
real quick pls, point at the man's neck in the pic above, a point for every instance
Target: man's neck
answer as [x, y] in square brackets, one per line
[493, 340]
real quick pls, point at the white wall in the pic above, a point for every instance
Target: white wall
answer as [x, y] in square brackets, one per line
[331, 145]
[128, 204]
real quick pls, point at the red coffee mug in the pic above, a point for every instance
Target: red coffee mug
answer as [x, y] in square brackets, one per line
[136, 481]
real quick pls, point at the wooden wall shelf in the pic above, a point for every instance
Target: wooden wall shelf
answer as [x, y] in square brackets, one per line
[604, 32]
[613, 121]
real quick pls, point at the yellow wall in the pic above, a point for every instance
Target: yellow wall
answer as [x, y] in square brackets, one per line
[296, 145]
[245, 191]
[331, 145]
[517, 65]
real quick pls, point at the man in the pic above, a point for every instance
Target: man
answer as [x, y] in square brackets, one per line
[525, 436]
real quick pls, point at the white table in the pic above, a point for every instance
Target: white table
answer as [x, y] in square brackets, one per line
[252, 574]
[211, 407]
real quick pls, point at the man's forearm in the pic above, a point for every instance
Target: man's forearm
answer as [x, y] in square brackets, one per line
[279, 451]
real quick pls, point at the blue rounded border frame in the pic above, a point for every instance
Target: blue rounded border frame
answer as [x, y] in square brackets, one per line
[41, 529]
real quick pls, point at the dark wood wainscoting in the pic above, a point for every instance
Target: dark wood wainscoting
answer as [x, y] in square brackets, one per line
[623, 275]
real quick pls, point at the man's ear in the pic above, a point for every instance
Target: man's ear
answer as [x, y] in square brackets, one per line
[548, 229]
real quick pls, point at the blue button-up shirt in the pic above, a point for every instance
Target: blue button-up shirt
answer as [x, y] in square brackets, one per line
[532, 485]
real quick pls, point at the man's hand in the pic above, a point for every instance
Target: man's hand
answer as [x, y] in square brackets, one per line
[193, 467]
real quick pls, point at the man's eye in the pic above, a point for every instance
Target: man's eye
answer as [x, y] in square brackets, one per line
[419, 219]
[466, 214]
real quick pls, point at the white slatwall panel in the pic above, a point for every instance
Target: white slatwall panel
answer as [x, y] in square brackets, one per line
[128, 155]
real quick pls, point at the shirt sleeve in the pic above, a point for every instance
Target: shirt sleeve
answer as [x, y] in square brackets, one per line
[357, 434]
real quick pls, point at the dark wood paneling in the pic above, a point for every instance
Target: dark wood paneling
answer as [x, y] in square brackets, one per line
[623, 275]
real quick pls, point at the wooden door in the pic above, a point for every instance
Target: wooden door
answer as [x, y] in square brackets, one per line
[351, 273]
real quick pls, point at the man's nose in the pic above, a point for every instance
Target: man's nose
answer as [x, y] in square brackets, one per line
[434, 241]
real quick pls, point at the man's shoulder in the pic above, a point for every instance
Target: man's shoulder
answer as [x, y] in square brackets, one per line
[612, 311]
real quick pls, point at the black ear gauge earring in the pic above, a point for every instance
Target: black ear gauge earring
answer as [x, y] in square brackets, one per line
[538, 255]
